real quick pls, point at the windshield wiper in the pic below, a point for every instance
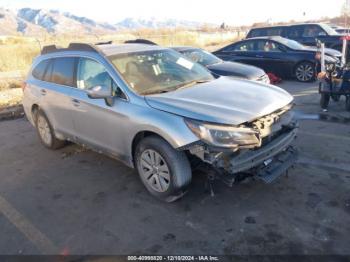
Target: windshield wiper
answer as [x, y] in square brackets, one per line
[151, 92]
[191, 83]
[159, 91]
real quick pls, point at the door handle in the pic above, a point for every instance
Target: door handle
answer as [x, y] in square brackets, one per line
[259, 56]
[43, 92]
[76, 102]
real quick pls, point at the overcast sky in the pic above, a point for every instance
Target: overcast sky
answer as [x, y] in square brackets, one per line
[213, 11]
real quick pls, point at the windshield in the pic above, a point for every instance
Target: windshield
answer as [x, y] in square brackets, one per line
[329, 30]
[158, 71]
[291, 44]
[200, 56]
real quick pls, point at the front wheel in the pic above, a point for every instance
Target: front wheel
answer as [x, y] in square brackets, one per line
[305, 72]
[164, 171]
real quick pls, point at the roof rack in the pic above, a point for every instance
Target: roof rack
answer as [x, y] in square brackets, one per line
[104, 43]
[72, 47]
[140, 41]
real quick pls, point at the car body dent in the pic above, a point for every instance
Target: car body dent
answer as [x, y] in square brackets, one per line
[224, 101]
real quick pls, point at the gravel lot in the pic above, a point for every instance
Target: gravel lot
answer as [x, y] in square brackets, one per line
[74, 201]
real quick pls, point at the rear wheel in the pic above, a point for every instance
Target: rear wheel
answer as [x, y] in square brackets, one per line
[324, 101]
[164, 171]
[305, 72]
[45, 132]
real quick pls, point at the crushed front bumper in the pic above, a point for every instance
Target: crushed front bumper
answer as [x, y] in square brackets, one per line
[267, 162]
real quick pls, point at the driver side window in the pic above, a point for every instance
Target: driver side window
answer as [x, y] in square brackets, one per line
[244, 46]
[91, 74]
[267, 46]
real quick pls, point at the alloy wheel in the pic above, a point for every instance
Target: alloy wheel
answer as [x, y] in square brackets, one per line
[155, 170]
[304, 72]
[44, 130]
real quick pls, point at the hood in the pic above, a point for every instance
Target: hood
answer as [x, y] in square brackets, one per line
[223, 100]
[236, 69]
[327, 51]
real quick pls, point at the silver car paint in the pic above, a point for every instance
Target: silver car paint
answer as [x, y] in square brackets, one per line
[224, 100]
[112, 129]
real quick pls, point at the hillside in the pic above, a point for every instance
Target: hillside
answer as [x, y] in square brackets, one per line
[31, 22]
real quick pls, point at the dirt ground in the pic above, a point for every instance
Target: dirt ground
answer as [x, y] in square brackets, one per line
[75, 201]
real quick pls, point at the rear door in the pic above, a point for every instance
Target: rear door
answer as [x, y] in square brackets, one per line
[55, 89]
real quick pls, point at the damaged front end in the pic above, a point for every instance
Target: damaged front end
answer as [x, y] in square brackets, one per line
[261, 148]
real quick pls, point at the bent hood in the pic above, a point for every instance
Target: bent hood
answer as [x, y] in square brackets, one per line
[236, 69]
[223, 100]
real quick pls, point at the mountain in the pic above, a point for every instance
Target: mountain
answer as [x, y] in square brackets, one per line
[56, 22]
[153, 23]
[11, 24]
[30, 21]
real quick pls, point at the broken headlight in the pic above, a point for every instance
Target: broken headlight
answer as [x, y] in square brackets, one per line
[225, 136]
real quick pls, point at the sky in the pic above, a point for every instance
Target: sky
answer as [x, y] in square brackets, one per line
[232, 12]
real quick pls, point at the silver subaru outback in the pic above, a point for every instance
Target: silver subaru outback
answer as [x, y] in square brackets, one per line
[160, 113]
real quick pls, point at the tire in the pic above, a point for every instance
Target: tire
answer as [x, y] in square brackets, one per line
[347, 103]
[305, 72]
[324, 101]
[335, 98]
[45, 131]
[172, 164]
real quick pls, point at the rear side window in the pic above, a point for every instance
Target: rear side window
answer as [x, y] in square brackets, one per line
[273, 31]
[294, 31]
[257, 32]
[63, 71]
[39, 70]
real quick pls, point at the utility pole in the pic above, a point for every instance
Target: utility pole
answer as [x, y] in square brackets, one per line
[345, 12]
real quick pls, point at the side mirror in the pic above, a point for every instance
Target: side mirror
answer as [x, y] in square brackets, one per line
[99, 92]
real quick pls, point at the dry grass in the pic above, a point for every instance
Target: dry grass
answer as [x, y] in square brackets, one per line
[17, 53]
[10, 84]
[17, 56]
[10, 97]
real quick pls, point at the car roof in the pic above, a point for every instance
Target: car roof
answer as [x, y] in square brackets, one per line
[105, 49]
[287, 25]
[275, 38]
[184, 48]
[114, 49]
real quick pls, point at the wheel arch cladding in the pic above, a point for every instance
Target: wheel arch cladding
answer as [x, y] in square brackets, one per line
[138, 137]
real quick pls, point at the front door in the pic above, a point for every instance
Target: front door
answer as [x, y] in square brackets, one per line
[96, 123]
